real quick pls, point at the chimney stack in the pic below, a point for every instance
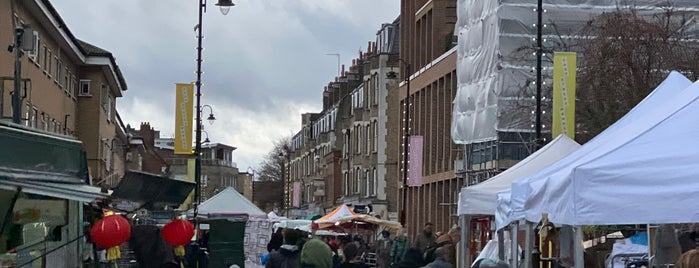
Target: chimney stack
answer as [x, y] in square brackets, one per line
[343, 70]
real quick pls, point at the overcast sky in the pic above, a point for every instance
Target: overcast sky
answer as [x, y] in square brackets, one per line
[264, 63]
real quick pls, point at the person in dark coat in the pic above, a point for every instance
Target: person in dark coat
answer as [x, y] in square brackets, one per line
[288, 255]
[150, 248]
[353, 256]
[412, 259]
[440, 260]
[276, 241]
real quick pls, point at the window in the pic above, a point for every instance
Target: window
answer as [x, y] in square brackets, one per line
[368, 134]
[73, 86]
[376, 136]
[49, 63]
[34, 53]
[376, 182]
[357, 180]
[110, 107]
[85, 88]
[66, 80]
[35, 111]
[56, 72]
[346, 183]
[47, 57]
[44, 124]
[27, 114]
[368, 185]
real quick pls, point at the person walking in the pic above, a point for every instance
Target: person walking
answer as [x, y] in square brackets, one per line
[383, 250]
[399, 248]
[353, 256]
[288, 255]
[316, 254]
[425, 240]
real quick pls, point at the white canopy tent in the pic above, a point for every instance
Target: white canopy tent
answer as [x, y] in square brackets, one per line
[480, 199]
[650, 178]
[537, 193]
[229, 202]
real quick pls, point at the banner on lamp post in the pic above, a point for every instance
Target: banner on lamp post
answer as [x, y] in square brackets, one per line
[415, 161]
[184, 107]
[296, 202]
[564, 79]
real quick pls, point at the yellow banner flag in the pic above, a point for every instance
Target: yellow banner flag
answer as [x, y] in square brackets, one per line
[184, 106]
[564, 76]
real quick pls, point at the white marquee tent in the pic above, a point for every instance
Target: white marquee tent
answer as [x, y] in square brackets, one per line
[545, 192]
[480, 199]
[229, 202]
[652, 177]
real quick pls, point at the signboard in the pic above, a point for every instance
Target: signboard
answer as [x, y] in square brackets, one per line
[50, 212]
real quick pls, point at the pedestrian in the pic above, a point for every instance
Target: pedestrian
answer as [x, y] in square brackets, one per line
[425, 240]
[383, 250]
[440, 260]
[448, 241]
[276, 241]
[353, 256]
[316, 254]
[400, 247]
[689, 259]
[412, 259]
[288, 255]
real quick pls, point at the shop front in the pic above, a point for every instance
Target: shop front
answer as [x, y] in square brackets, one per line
[43, 189]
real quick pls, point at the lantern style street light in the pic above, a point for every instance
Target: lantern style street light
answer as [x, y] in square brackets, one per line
[225, 6]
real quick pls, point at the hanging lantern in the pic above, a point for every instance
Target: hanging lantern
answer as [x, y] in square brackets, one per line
[178, 233]
[110, 232]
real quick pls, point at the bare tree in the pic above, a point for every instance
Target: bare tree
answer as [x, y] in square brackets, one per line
[271, 166]
[627, 56]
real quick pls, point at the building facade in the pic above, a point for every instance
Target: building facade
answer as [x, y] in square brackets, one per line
[427, 45]
[218, 170]
[67, 92]
[340, 156]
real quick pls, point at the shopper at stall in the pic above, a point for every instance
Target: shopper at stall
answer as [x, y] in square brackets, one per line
[316, 254]
[400, 247]
[288, 254]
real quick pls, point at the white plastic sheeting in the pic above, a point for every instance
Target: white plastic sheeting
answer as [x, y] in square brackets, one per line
[546, 191]
[480, 199]
[495, 75]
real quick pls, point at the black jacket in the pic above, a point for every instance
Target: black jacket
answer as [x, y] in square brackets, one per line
[284, 258]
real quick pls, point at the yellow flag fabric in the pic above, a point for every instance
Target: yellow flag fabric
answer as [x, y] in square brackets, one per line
[564, 79]
[184, 107]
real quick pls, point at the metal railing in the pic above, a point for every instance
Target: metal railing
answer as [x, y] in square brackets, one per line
[204, 162]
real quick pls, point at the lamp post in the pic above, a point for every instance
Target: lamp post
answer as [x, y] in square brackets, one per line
[225, 6]
[539, 53]
[406, 136]
[284, 166]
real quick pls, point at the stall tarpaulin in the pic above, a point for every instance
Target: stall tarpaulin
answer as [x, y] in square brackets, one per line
[531, 191]
[650, 178]
[480, 199]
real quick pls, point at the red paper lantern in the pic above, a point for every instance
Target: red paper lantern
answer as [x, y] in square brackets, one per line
[178, 232]
[110, 231]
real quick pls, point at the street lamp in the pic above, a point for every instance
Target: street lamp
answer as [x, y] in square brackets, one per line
[211, 117]
[406, 135]
[285, 195]
[225, 5]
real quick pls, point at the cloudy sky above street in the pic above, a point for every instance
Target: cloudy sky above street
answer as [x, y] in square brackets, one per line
[265, 63]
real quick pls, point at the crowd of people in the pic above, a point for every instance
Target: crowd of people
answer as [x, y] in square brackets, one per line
[291, 248]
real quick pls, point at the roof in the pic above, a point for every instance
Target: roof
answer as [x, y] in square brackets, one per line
[229, 202]
[92, 50]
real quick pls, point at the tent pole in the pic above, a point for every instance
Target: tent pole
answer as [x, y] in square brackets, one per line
[579, 250]
[501, 244]
[529, 242]
[513, 251]
[464, 245]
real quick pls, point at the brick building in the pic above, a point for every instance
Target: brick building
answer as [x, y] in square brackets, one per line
[340, 155]
[427, 45]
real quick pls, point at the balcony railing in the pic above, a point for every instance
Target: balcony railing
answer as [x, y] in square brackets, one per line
[204, 162]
